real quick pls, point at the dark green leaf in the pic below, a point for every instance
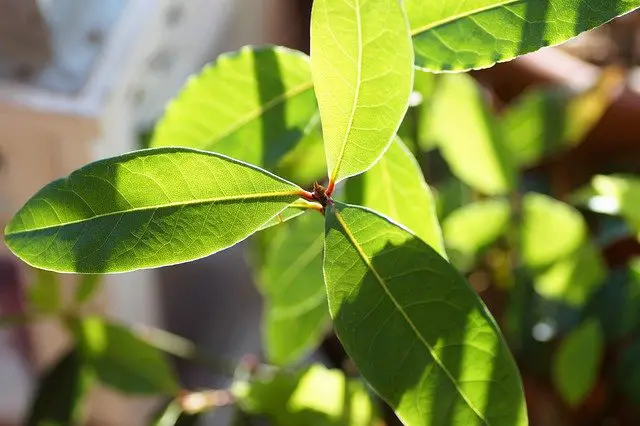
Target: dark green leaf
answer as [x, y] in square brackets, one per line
[457, 35]
[145, 209]
[122, 360]
[414, 327]
[577, 362]
[61, 391]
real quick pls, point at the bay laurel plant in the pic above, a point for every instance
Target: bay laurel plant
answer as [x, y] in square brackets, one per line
[367, 243]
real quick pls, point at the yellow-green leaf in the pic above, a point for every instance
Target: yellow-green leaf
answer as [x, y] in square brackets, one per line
[362, 64]
[145, 209]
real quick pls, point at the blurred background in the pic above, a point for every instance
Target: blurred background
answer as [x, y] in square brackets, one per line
[82, 80]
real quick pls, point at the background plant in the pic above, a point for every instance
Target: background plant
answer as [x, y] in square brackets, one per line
[416, 331]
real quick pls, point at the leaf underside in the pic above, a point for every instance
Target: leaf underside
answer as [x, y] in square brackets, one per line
[361, 59]
[448, 363]
[145, 209]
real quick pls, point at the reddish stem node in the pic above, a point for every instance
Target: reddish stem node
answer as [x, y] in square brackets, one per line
[330, 189]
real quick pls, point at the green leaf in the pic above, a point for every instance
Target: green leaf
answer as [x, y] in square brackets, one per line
[361, 58]
[551, 230]
[44, 292]
[296, 317]
[425, 85]
[473, 227]
[574, 278]
[628, 371]
[620, 193]
[396, 188]
[316, 396]
[145, 209]
[475, 151]
[123, 361]
[451, 195]
[414, 327]
[61, 392]
[460, 35]
[254, 105]
[171, 414]
[545, 121]
[88, 286]
[576, 363]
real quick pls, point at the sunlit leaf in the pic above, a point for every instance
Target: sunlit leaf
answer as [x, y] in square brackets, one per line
[306, 162]
[546, 121]
[254, 105]
[574, 278]
[551, 230]
[469, 138]
[416, 330]
[122, 360]
[577, 362]
[620, 195]
[362, 63]
[44, 292]
[296, 315]
[316, 396]
[61, 393]
[473, 227]
[460, 35]
[145, 209]
[396, 188]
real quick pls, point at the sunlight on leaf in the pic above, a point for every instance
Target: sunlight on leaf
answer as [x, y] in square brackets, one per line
[145, 209]
[362, 64]
[449, 363]
[469, 138]
[459, 35]
[623, 192]
[396, 188]
[44, 292]
[475, 226]
[551, 230]
[577, 362]
[254, 105]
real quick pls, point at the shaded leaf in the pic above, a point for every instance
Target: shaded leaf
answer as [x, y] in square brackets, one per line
[253, 105]
[451, 195]
[475, 226]
[628, 371]
[296, 317]
[145, 209]
[306, 162]
[546, 121]
[61, 392]
[316, 396]
[574, 278]
[414, 327]
[44, 292]
[475, 151]
[361, 58]
[123, 361]
[550, 231]
[396, 188]
[577, 362]
[88, 286]
[461, 35]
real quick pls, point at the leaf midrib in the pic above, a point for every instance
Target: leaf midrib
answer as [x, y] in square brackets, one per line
[442, 22]
[160, 206]
[268, 106]
[356, 96]
[426, 344]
